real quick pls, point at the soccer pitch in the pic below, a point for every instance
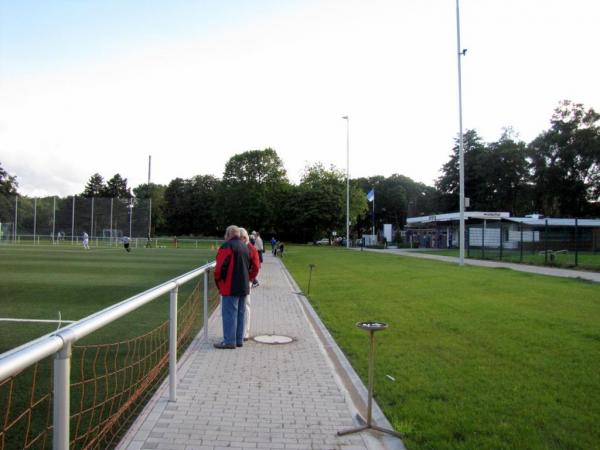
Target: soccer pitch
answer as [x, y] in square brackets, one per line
[36, 282]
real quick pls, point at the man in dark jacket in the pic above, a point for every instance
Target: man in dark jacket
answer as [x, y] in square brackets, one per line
[232, 278]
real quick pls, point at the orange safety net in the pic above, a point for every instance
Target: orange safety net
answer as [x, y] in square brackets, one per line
[110, 384]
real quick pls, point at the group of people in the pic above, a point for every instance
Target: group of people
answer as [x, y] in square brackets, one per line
[85, 240]
[237, 266]
[277, 247]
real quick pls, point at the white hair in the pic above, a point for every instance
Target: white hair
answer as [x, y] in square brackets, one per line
[231, 232]
[244, 235]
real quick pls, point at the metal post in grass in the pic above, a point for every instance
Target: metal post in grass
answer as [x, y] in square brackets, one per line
[61, 398]
[16, 218]
[483, 240]
[576, 242]
[73, 221]
[546, 242]
[92, 220]
[310, 267]
[111, 222]
[34, 218]
[467, 237]
[500, 240]
[371, 327]
[205, 305]
[521, 242]
[53, 219]
[173, 345]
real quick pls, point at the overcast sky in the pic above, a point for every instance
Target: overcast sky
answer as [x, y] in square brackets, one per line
[97, 86]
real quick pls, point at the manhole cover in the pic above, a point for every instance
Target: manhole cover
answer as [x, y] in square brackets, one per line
[273, 339]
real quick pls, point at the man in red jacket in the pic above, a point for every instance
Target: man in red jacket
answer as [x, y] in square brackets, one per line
[232, 275]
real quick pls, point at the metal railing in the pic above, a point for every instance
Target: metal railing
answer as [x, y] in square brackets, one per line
[60, 344]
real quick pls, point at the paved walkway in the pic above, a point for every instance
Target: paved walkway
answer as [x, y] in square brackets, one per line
[542, 270]
[293, 396]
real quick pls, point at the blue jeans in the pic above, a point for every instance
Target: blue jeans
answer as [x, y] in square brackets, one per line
[233, 311]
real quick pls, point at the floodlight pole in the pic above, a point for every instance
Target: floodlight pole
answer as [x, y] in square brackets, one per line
[149, 198]
[347, 180]
[461, 156]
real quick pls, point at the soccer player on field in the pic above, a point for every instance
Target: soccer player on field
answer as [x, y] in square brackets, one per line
[126, 243]
[86, 241]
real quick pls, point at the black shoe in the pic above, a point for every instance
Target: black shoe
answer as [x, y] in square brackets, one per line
[239, 345]
[222, 345]
[255, 283]
[245, 339]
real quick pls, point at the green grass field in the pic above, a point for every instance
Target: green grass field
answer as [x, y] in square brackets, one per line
[37, 282]
[482, 358]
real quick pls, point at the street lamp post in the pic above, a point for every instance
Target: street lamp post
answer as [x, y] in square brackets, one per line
[347, 180]
[461, 156]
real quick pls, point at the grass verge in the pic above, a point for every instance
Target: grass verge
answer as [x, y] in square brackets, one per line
[482, 358]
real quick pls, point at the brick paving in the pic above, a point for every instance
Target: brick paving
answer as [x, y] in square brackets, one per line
[293, 396]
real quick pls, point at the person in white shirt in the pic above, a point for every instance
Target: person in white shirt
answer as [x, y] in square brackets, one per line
[259, 245]
[86, 241]
[126, 241]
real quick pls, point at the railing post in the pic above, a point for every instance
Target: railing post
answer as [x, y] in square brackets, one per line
[205, 306]
[173, 345]
[62, 395]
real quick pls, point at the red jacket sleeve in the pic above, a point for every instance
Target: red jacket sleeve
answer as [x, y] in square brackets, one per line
[254, 262]
[223, 267]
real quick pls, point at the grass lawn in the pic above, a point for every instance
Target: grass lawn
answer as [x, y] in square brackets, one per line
[482, 358]
[37, 282]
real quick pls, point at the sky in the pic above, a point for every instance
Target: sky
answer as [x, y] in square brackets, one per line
[98, 86]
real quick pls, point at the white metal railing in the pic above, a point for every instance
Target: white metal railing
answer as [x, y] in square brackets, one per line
[60, 343]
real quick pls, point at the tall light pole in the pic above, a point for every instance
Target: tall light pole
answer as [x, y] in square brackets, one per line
[347, 119]
[461, 157]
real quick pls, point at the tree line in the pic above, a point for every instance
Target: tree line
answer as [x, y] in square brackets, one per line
[557, 174]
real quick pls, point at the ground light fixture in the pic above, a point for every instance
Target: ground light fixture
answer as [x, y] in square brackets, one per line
[371, 327]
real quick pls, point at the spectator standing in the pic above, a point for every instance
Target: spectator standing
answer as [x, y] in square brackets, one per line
[259, 245]
[273, 245]
[253, 272]
[232, 277]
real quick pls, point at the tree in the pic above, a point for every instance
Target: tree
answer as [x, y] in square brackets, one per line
[565, 162]
[396, 198]
[8, 183]
[156, 193]
[495, 174]
[320, 207]
[116, 187]
[95, 186]
[475, 173]
[190, 205]
[252, 182]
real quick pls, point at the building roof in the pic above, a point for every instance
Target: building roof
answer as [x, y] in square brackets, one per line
[451, 217]
[555, 222]
[491, 215]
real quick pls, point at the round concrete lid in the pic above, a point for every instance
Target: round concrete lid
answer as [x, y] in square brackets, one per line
[273, 339]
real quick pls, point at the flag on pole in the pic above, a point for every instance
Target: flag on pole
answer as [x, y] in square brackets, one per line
[371, 195]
